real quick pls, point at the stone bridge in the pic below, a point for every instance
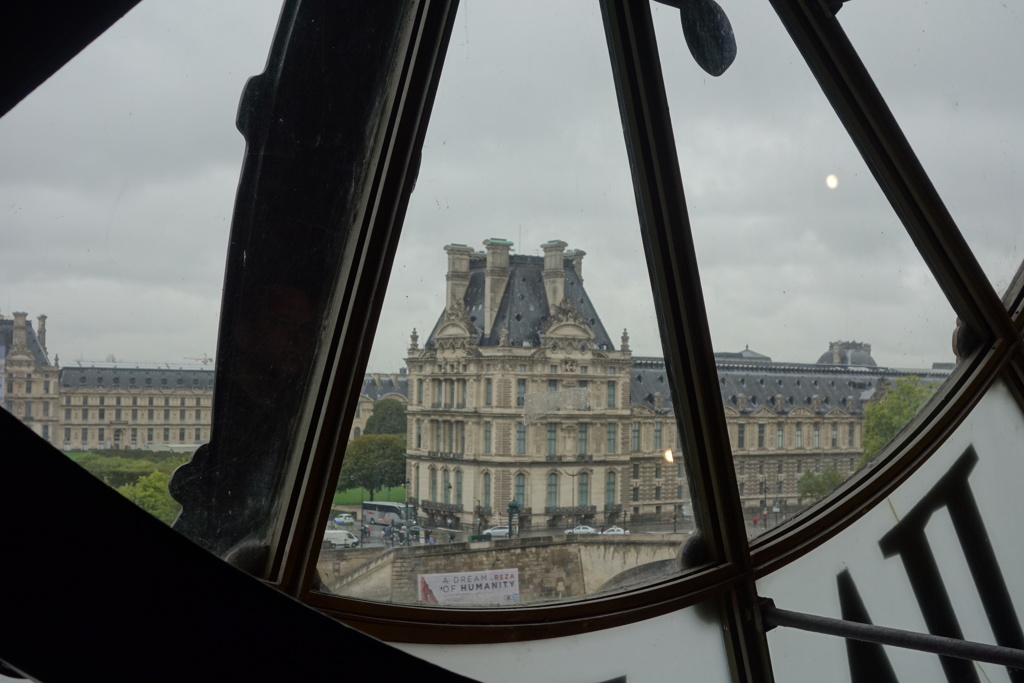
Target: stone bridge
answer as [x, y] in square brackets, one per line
[549, 567]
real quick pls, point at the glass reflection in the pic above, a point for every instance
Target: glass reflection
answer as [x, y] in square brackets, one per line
[519, 333]
[831, 331]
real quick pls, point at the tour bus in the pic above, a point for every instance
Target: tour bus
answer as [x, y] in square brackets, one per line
[385, 512]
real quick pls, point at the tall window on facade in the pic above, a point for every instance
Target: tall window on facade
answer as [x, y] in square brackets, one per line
[446, 485]
[552, 438]
[741, 435]
[760, 434]
[487, 440]
[520, 391]
[778, 435]
[634, 439]
[636, 471]
[581, 439]
[612, 438]
[799, 435]
[487, 490]
[817, 435]
[419, 433]
[850, 437]
[488, 392]
[521, 489]
[835, 435]
[520, 438]
[552, 386]
[433, 484]
[636, 493]
[552, 490]
[611, 393]
[584, 492]
[458, 487]
[609, 488]
[657, 493]
[657, 435]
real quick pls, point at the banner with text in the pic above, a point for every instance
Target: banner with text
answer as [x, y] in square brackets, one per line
[491, 587]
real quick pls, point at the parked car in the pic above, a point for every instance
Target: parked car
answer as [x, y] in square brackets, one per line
[500, 531]
[341, 538]
[581, 529]
[344, 518]
[615, 530]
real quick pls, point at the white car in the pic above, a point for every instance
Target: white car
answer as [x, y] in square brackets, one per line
[344, 518]
[581, 529]
[496, 531]
[341, 538]
[615, 530]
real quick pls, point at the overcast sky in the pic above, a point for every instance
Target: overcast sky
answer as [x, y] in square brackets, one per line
[117, 176]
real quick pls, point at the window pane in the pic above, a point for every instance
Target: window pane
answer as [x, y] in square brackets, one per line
[120, 172]
[820, 307]
[957, 108]
[518, 276]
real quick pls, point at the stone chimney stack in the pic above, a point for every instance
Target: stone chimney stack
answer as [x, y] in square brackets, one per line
[458, 273]
[20, 330]
[495, 278]
[554, 271]
[577, 261]
[837, 350]
[41, 331]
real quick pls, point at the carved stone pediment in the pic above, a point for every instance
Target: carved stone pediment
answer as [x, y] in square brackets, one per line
[455, 330]
[566, 327]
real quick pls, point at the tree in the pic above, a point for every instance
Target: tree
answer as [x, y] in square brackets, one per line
[150, 493]
[388, 418]
[373, 462]
[885, 417]
[814, 485]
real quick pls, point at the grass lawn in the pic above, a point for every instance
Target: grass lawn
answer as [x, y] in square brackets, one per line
[357, 496]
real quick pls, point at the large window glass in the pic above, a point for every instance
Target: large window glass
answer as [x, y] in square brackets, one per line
[820, 306]
[118, 177]
[521, 276]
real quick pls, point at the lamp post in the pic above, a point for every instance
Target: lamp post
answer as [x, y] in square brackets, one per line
[572, 491]
[513, 517]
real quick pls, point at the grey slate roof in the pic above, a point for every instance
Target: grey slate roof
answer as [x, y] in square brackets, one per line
[524, 307]
[377, 386]
[136, 376]
[835, 386]
[7, 340]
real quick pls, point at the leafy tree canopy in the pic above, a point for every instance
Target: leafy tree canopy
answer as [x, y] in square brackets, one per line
[150, 493]
[373, 462]
[884, 418]
[388, 418]
[814, 485]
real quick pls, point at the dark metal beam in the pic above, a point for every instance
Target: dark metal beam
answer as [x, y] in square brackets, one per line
[925, 642]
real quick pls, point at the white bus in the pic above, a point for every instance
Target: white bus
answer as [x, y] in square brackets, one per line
[385, 512]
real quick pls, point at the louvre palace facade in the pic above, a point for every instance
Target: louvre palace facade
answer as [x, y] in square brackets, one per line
[520, 392]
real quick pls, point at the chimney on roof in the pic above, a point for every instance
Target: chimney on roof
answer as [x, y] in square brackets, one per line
[41, 330]
[837, 352]
[458, 273]
[20, 329]
[577, 261]
[495, 278]
[554, 271]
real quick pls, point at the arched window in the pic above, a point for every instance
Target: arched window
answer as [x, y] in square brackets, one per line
[609, 488]
[584, 494]
[433, 484]
[521, 489]
[487, 490]
[446, 485]
[552, 490]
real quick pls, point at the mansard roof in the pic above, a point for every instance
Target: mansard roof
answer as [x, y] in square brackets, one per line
[377, 386]
[750, 386]
[7, 341]
[136, 376]
[524, 309]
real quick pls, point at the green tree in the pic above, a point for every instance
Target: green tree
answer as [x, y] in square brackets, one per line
[814, 485]
[388, 418]
[150, 493]
[373, 462]
[885, 417]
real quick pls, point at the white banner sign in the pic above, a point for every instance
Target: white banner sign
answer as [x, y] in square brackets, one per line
[491, 587]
